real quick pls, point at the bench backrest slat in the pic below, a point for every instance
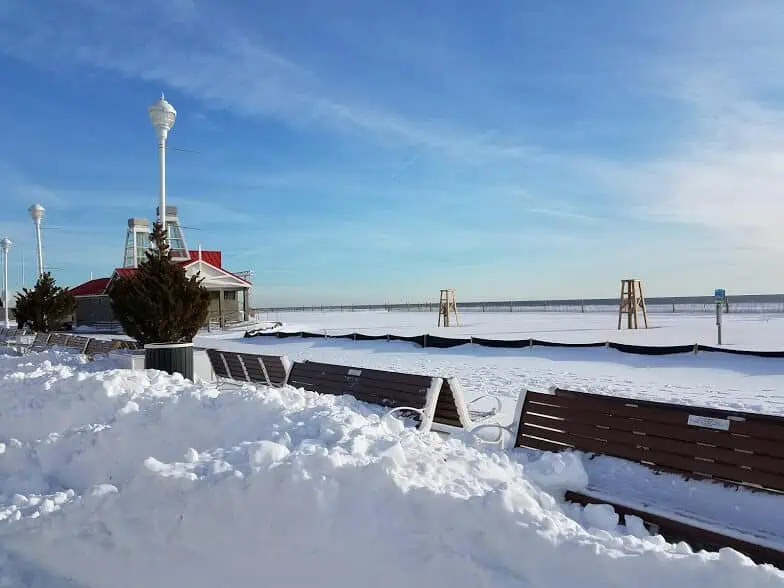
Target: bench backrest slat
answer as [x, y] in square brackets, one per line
[41, 340]
[254, 367]
[236, 369]
[58, 340]
[277, 368]
[77, 343]
[388, 389]
[446, 412]
[736, 447]
[217, 363]
[99, 347]
[126, 344]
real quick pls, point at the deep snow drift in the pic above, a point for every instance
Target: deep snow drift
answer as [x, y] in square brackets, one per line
[116, 478]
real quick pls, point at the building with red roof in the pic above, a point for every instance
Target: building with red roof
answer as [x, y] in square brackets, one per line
[229, 292]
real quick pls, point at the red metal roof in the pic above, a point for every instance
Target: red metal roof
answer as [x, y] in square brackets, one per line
[124, 272]
[91, 288]
[214, 258]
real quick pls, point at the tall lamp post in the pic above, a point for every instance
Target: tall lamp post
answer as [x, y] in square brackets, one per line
[6, 245]
[162, 116]
[37, 213]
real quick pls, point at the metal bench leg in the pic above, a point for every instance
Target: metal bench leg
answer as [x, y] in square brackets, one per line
[497, 441]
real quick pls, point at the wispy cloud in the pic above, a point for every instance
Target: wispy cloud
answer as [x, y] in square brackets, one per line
[563, 213]
[19, 188]
[722, 168]
[216, 61]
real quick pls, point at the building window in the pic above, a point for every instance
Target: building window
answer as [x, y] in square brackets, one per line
[230, 295]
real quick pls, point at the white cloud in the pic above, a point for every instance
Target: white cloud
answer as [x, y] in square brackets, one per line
[722, 167]
[217, 62]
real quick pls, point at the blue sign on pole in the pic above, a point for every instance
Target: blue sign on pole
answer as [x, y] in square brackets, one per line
[720, 294]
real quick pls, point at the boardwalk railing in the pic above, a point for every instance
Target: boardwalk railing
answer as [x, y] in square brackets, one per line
[742, 304]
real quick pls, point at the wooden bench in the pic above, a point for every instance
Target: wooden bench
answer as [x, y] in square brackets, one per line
[40, 342]
[97, 347]
[125, 344]
[438, 402]
[270, 370]
[58, 340]
[414, 395]
[737, 449]
[8, 335]
[77, 343]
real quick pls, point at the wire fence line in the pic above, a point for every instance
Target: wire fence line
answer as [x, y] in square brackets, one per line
[741, 304]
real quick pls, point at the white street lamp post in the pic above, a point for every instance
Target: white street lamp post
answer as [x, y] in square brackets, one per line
[6, 245]
[37, 212]
[162, 116]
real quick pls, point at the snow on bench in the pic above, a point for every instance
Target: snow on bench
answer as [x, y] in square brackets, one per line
[438, 402]
[443, 408]
[737, 449]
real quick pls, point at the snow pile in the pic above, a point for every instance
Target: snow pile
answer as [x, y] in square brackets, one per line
[148, 480]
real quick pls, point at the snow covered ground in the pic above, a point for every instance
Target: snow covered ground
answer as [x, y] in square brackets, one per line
[115, 478]
[706, 379]
[747, 331]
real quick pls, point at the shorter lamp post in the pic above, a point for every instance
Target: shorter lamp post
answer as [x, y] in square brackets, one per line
[37, 213]
[6, 245]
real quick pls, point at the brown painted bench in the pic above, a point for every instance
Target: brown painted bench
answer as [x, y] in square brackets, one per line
[40, 342]
[77, 343]
[57, 340]
[8, 336]
[270, 370]
[99, 347]
[412, 394]
[736, 449]
[125, 344]
[438, 402]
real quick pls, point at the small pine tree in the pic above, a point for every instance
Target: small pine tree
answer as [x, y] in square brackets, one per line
[45, 307]
[158, 303]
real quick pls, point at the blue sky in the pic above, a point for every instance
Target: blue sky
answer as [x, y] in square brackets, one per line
[353, 151]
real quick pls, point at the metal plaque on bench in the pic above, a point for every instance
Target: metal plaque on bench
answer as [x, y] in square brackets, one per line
[709, 422]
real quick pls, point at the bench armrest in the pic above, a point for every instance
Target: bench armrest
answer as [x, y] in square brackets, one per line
[491, 413]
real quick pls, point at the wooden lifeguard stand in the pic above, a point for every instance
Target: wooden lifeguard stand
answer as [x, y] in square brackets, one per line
[446, 305]
[632, 301]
